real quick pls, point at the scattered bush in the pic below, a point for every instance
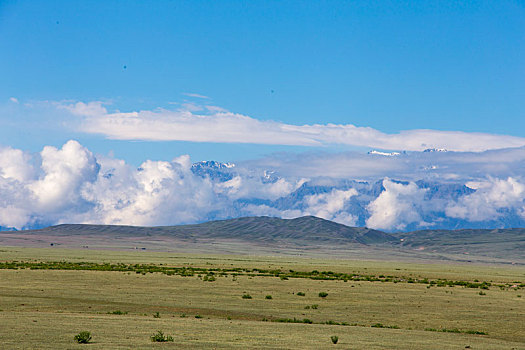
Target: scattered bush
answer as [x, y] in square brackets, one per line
[83, 337]
[268, 297]
[301, 294]
[333, 323]
[160, 337]
[482, 293]
[118, 312]
[156, 315]
[198, 316]
[246, 296]
[315, 306]
[334, 339]
[323, 294]
[294, 320]
[209, 278]
[380, 325]
[455, 330]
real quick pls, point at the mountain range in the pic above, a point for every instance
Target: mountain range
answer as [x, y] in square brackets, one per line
[386, 204]
[428, 206]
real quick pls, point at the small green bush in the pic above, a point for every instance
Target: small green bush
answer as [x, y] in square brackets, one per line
[334, 339]
[156, 315]
[246, 296]
[198, 316]
[160, 337]
[323, 294]
[118, 312]
[83, 337]
[315, 306]
[268, 297]
[293, 320]
[301, 294]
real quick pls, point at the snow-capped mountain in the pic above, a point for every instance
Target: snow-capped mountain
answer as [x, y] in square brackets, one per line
[214, 170]
[387, 204]
[386, 154]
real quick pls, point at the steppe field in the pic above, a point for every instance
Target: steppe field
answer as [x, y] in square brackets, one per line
[48, 295]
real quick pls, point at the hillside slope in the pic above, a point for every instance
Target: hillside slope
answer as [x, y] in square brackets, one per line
[308, 230]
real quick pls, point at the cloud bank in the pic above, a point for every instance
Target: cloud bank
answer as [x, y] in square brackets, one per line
[213, 124]
[445, 189]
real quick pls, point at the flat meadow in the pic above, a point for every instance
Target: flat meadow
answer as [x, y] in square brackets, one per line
[122, 298]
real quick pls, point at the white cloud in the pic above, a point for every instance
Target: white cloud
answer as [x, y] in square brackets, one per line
[489, 198]
[217, 125]
[14, 100]
[90, 109]
[189, 94]
[70, 184]
[14, 164]
[331, 206]
[396, 207]
[448, 166]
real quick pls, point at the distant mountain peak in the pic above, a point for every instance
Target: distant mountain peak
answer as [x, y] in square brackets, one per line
[213, 165]
[386, 154]
[430, 150]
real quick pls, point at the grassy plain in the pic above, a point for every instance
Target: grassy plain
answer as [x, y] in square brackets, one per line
[44, 309]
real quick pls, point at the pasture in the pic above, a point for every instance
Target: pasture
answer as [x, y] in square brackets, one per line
[48, 295]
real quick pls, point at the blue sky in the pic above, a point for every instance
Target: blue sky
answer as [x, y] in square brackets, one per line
[391, 66]
[105, 105]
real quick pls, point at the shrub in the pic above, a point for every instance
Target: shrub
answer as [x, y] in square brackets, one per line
[246, 296]
[160, 337]
[323, 294]
[315, 306]
[156, 315]
[301, 294]
[198, 316]
[118, 312]
[83, 337]
[334, 339]
[380, 325]
[268, 297]
[330, 322]
[293, 320]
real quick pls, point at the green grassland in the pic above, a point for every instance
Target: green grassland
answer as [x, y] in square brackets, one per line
[47, 296]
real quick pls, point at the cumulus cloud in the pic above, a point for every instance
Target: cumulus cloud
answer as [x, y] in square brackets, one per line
[15, 164]
[397, 206]
[331, 206]
[211, 124]
[71, 184]
[65, 171]
[157, 193]
[52, 191]
[490, 197]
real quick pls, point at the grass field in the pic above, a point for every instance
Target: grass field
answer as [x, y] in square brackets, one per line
[44, 309]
